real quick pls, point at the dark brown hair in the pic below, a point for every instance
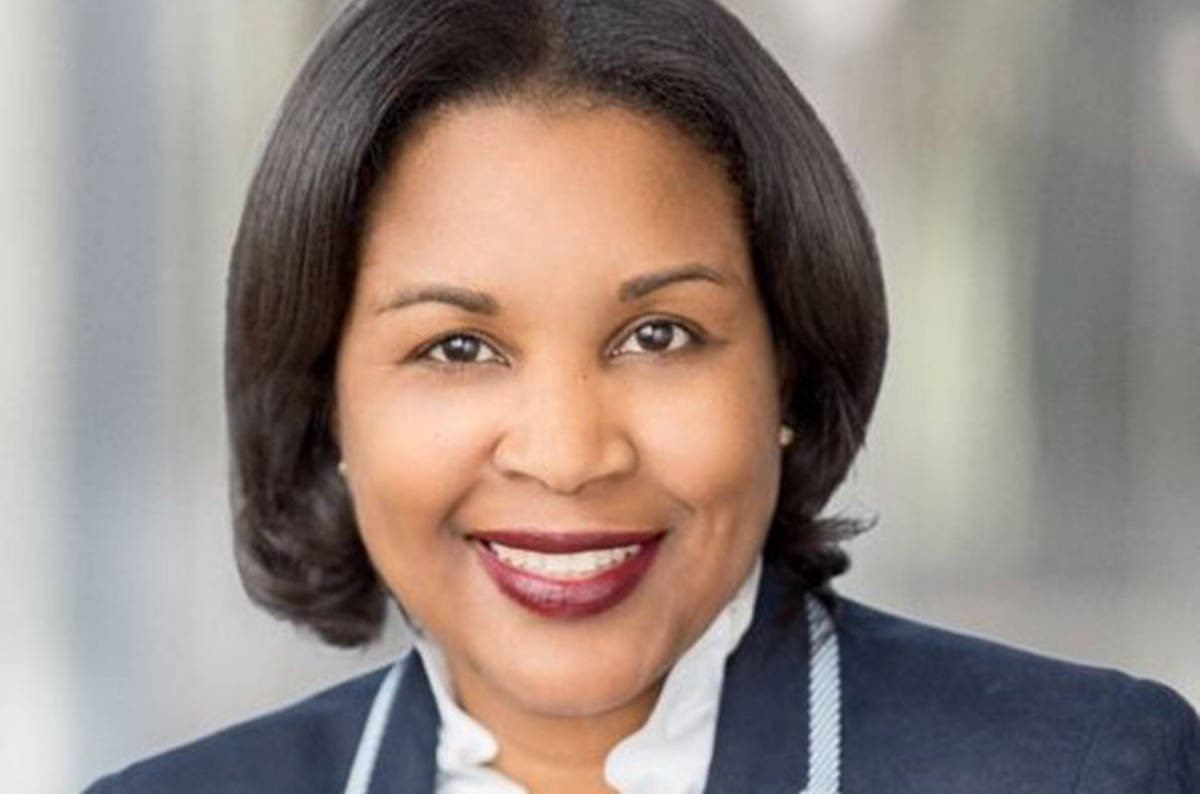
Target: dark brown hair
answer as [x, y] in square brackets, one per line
[378, 69]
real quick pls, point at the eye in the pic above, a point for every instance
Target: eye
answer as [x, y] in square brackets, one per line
[660, 336]
[459, 349]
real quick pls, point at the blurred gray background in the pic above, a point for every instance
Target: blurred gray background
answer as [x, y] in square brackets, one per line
[1033, 171]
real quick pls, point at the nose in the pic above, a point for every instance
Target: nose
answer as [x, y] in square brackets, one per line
[566, 433]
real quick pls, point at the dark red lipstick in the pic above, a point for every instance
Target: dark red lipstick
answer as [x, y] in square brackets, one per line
[559, 595]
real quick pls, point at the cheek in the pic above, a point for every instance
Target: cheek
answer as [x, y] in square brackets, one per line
[711, 442]
[415, 453]
[408, 430]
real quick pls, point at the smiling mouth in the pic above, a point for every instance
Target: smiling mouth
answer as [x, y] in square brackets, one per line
[566, 574]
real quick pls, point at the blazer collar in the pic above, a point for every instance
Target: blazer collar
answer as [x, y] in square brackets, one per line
[762, 728]
[762, 725]
[407, 761]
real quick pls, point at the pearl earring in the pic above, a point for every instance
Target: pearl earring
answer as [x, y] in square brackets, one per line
[786, 435]
[341, 467]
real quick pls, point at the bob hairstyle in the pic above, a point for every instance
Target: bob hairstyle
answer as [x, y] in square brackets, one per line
[382, 66]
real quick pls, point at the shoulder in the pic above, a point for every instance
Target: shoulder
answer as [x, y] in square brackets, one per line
[929, 710]
[305, 747]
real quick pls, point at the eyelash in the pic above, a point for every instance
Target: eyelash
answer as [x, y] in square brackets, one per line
[695, 339]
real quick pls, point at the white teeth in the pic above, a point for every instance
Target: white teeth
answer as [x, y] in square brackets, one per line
[566, 566]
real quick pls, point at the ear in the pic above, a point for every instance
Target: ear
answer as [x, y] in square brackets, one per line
[785, 369]
[331, 423]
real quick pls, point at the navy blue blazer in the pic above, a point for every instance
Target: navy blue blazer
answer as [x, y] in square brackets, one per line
[924, 711]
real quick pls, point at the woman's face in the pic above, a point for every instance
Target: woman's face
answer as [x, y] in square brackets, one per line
[557, 399]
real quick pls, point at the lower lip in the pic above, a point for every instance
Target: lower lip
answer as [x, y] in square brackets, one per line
[569, 598]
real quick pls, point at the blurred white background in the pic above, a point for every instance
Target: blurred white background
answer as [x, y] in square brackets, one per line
[1033, 171]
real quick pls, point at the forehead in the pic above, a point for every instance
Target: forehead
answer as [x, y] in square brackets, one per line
[521, 190]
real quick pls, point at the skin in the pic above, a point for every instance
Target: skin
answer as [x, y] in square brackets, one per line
[558, 416]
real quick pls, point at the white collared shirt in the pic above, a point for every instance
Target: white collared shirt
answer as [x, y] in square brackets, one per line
[670, 754]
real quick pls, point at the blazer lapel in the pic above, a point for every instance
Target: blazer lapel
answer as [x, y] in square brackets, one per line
[407, 761]
[761, 742]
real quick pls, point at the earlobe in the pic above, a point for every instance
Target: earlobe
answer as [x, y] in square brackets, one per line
[331, 426]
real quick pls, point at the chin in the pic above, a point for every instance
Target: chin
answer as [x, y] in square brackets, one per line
[571, 677]
[575, 693]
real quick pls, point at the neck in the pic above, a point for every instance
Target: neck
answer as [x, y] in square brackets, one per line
[550, 753]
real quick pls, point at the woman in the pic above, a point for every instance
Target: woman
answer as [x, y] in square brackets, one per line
[558, 322]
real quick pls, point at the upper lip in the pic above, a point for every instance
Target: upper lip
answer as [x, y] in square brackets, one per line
[565, 541]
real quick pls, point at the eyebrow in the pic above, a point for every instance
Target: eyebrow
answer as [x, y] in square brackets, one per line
[482, 303]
